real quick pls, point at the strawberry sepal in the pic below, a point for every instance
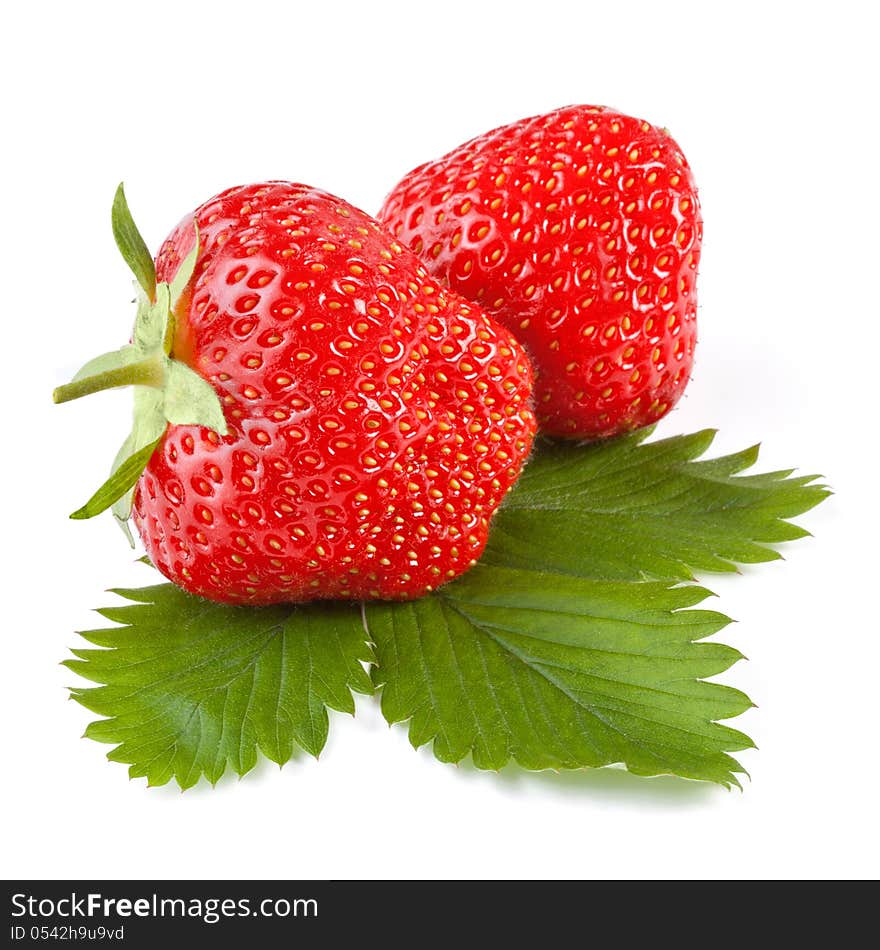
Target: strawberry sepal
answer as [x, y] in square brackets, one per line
[118, 484]
[166, 389]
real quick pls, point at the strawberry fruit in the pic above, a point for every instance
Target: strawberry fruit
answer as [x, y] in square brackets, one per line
[579, 230]
[315, 416]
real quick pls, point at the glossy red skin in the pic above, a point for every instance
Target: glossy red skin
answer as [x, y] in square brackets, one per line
[579, 230]
[376, 420]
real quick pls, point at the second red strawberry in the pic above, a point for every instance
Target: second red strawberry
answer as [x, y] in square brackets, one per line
[580, 230]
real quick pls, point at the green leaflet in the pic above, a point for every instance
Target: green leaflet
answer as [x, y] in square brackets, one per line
[622, 509]
[556, 650]
[561, 672]
[572, 643]
[191, 688]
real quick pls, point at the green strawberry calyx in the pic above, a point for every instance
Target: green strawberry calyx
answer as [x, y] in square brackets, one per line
[165, 389]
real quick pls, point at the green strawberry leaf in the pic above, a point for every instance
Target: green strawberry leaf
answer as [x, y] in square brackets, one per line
[573, 643]
[557, 651]
[191, 688]
[625, 510]
[131, 245]
[561, 672]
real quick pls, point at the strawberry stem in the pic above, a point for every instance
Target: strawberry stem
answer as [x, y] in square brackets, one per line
[146, 372]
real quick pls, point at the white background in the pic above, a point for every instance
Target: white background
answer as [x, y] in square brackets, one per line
[775, 105]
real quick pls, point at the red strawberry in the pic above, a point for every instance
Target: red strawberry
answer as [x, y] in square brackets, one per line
[374, 420]
[580, 230]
